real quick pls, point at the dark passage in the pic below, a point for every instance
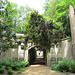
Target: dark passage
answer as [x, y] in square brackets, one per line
[36, 57]
[32, 56]
[39, 60]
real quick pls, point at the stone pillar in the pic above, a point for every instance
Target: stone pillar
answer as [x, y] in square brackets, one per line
[56, 52]
[72, 24]
[26, 55]
[12, 52]
[48, 58]
[19, 49]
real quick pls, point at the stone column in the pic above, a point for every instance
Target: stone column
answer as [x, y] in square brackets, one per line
[19, 49]
[48, 58]
[72, 24]
[56, 52]
[12, 52]
[26, 55]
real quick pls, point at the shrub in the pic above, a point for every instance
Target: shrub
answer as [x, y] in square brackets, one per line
[10, 71]
[22, 69]
[2, 69]
[16, 65]
[65, 66]
[72, 67]
[11, 64]
[24, 63]
[53, 66]
[2, 62]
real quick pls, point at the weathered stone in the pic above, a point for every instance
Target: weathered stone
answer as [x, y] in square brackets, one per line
[72, 24]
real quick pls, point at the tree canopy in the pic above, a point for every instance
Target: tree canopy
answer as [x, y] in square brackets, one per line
[23, 13]
[58, 10]
[8, 13]
[41, 31]
[11, 20]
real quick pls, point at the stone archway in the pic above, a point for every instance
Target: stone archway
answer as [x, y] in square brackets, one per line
[34, 56]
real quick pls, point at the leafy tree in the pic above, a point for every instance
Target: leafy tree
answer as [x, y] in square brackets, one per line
[50, 8]
[7, 24]
[58, 10]
[40, 31]
[63, 14]
[23, 12]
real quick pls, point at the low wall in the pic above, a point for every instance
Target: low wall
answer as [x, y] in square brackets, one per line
[9, 53]
[60, 51]
[57, 52]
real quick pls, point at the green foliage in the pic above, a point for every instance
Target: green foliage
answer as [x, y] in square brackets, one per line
[7, 24]
[58, 10]
[53, 67]
[41, 31]
[12, 65]
[23, 47]
[23, 12]
[65, 66]
[11, 21]
[17, 65]
[10, 71]
[50, 8]
[6, 63]
[2, 70]
[22, 69]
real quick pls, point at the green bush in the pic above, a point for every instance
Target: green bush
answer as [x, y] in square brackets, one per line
[53, 67]
[20, 70]
[17, 65]
[2, 69]
[6, 62]
[65, 66]
[24, 63]
[2, 62]
[10, 71]
[72, 67]
[11, 64]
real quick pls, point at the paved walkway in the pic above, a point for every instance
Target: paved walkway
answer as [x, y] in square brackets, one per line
[40, 70]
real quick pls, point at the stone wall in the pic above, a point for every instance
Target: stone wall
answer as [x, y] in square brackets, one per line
[60, 51]
[9, 53]
[57, 52]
